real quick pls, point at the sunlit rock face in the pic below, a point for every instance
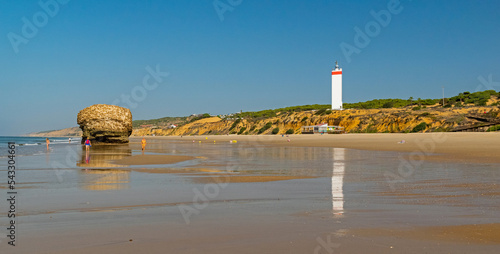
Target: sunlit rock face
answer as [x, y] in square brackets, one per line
[103, 123]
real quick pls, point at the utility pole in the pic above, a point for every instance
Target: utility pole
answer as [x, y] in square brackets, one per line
[443, 95]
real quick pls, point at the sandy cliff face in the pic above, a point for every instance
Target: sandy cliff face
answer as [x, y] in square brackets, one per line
[353, 120]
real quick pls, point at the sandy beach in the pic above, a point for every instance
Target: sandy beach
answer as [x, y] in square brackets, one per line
[458, 146]
[352, 193]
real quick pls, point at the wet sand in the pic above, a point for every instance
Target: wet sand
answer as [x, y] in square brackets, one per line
[152, 159]
[245, 179]
[470, 234]
[460, 146]
[264, 194]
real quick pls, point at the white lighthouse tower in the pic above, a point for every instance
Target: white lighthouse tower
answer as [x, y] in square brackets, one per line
[337, 87]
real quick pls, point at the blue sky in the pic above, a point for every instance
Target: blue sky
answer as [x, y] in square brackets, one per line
[253, 55]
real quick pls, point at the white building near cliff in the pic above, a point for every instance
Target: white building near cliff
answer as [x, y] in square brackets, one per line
[321, 128]
[337, 87]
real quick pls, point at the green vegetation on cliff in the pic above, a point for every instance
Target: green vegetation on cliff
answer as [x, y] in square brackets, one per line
[273, 112]
[477, 98]
[164, 121]
[465, 98]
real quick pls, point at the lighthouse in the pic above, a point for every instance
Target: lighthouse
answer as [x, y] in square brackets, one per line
[337, 87]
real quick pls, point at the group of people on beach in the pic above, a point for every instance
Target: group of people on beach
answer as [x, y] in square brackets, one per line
[87, 143]
[47, 141]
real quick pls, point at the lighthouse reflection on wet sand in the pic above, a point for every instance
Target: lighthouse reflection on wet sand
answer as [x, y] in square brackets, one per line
[337, 87]
[338, 181]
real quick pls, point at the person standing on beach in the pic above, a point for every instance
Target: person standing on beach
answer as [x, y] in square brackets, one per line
[143, 144]
[87, 145]
[69, 140]
[48, 142]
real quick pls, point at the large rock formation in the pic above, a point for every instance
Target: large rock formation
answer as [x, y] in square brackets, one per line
[103, 123]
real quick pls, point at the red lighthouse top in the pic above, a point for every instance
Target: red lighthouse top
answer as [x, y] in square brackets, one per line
[337, 70]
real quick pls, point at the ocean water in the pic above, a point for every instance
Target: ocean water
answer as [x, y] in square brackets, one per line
[33, 145]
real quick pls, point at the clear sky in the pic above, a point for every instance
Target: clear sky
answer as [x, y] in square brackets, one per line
[61, 57]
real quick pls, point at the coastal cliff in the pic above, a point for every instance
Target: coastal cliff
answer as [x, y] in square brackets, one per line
[67, 132]
[399, 120]
[353, 120]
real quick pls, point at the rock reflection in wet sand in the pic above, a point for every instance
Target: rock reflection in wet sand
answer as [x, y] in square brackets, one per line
[95, 176]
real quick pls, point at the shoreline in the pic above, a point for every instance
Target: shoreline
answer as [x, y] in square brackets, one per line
[475, 147]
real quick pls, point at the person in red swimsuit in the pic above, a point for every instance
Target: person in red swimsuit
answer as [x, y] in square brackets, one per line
[87, 144]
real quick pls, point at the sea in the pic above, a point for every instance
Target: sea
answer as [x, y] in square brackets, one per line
[33, 145]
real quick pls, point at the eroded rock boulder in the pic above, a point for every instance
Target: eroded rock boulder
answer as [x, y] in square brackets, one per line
[103, 123]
